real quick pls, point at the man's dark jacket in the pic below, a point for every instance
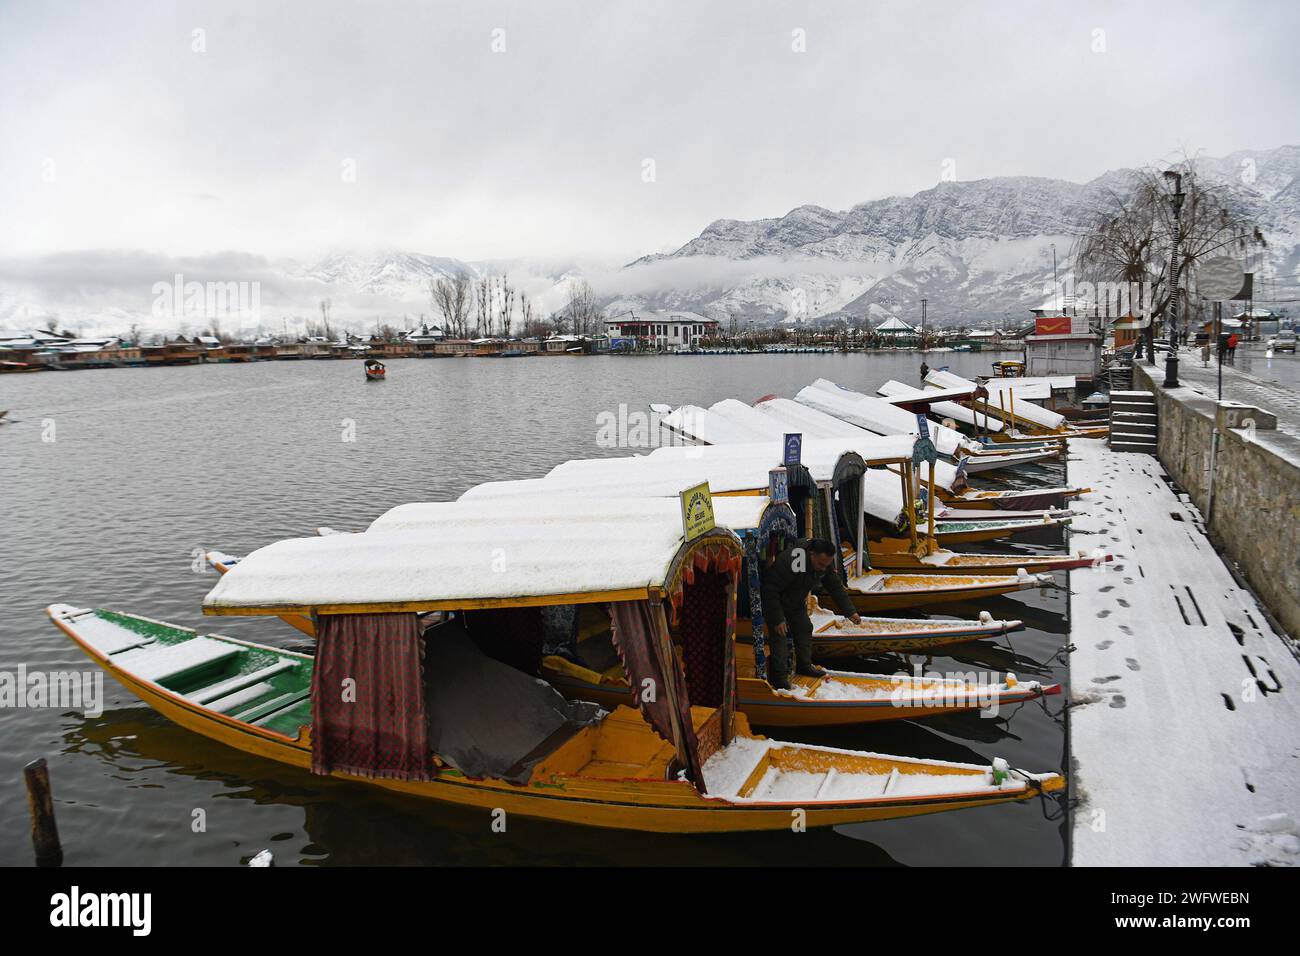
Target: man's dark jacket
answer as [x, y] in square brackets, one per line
[784, 587]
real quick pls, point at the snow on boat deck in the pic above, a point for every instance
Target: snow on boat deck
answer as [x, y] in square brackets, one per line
[1185, 702]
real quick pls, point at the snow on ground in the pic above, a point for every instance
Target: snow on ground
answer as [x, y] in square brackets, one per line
[1185, 703]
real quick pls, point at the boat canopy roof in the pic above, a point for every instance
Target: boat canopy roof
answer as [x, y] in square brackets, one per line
[706, 425]
[771, 419]
[474, 557]
[740, 513]
[876, 415]
[1025, 409]
[893, 391]
[656, 476]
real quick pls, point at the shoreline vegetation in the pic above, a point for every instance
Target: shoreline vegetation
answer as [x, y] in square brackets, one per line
[49, 351]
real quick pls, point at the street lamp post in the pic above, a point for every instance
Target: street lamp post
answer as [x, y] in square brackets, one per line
[1175, 266]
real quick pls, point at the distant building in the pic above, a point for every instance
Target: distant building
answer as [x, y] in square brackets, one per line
[1063, 345]
[662, 330]
[895, 328]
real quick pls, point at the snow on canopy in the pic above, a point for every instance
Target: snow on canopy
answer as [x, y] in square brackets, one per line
[469, 552]
[703, 424]
[875, 414]
[636, 477]
[1024, 409]
[959, 413]
[774, 418]
[739, 512]
[794, 417]
[666, 471]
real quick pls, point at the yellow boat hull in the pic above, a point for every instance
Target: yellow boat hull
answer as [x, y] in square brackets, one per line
[906, 591]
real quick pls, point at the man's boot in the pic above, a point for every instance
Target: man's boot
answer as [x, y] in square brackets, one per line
[778, 664]
[804, 666]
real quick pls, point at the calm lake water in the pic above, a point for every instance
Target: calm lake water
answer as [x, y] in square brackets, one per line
[150, 467]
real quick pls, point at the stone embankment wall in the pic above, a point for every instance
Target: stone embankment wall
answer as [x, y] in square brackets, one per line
[1255, 515]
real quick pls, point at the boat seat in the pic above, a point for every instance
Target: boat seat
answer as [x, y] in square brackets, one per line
[269, 710]
[171, 662]
[241, 697]
[205, 695]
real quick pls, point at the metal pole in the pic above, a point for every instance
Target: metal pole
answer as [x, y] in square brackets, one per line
[1175, 267]
[1218, 346]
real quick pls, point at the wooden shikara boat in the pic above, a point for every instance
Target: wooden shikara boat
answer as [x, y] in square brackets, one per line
[375, 371]
[875, 591]
[841, 698]
[732, 422]
[684, 761]
[962, 532]
[896, 555]
[1035, 500]
[1019, 416]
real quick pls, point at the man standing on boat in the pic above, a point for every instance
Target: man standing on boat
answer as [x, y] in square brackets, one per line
[787, 582]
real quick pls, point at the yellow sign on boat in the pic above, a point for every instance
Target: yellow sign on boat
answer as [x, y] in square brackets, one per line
[697, 511]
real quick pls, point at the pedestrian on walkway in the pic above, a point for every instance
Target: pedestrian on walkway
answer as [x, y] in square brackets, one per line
[1232, 349]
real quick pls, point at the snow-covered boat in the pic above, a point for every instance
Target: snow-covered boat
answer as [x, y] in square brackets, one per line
[896, 555]
[764, 527]
[444, 623]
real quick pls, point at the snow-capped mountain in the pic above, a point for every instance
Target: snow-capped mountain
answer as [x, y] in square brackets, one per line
[975, 250]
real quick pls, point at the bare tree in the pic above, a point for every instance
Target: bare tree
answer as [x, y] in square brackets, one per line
[582, 310]
[325, 316]
[506, 305]
[483, 305]
[526, 314]
[1130, 238]
[453, 297]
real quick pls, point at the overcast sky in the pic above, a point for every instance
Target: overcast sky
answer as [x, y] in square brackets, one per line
[118, 134]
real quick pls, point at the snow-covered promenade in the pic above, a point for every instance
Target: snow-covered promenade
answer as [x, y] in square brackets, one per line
[1185, 718]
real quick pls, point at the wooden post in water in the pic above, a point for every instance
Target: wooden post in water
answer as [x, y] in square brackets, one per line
[40, 801]
[930, 546]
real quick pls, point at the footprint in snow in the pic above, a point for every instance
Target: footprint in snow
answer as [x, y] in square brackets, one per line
[1126, 629]
[1133, 665]
[1105, 613]
[1123, 603]
[1104, 644]
[1109, 587]
[1117, 700]
[1105, 680]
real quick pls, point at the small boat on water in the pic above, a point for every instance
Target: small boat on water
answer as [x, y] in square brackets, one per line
[897, 555]
[1027, 500]
[375, 370]
[450, 622]
[974, 530]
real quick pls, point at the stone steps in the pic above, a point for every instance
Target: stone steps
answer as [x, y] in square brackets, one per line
[1134, 422]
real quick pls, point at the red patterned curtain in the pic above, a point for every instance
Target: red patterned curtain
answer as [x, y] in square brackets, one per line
[641, 637]
[702, 565]
[367, 693]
